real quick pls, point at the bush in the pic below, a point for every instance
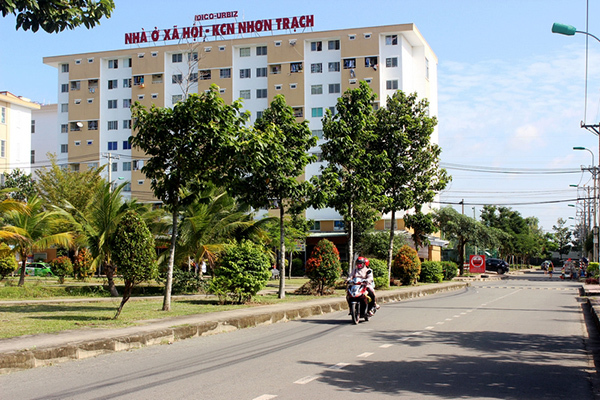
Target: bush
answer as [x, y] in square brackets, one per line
[61, 267]
[431, 272]
[187, 282]
[450, 270]
[297, 267]
[380, 273]
[591, 281]
[323, 267]
[82, 266]
[593, 268]
[406, 266]
[241, 271]
[7, 265]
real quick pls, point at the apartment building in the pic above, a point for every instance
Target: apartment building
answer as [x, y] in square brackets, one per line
[311, 69]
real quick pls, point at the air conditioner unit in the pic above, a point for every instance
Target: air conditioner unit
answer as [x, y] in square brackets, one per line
[292, 42]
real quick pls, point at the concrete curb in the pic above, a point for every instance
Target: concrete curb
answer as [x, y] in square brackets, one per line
[62, 348]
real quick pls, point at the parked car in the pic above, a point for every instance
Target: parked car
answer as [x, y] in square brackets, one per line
[497, 265]
[37, 269]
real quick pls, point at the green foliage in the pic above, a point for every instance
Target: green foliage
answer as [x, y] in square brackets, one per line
[380, 273]
[82, 265]
[593, 268]
[7, 265]
[61, 267]
[431, 272]
[22, 182]
[54, 16]
[406, 266]
[450, 270]
[323, 267]
[241, 271]
[377, 244]
[297, 267]
[188, 282]
[133, 249]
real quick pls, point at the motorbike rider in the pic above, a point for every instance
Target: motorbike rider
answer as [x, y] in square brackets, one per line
[362, 270]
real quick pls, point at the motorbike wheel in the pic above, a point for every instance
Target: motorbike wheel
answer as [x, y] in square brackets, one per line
[355, 312]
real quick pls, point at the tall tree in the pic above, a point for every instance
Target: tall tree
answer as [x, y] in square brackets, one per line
[187, 146]
[56, 15]
[562, 236]
[35, 229]
[22, 183]
[347, 183]
[411, 168]
[270, 159]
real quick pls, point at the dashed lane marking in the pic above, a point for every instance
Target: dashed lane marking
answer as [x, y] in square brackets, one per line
[306, 379]
[339, 366]
[364, 355]
[265, 397]
[385, 346]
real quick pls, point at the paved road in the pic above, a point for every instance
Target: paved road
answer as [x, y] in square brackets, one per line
[520, 338]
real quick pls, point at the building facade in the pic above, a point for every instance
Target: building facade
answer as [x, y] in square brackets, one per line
[311, 69]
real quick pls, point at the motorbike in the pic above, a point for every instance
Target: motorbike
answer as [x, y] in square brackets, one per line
[358, 300]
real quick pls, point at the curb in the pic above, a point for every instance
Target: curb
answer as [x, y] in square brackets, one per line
[115, 340]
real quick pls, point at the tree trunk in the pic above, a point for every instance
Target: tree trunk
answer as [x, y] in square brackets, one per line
[391, 246]
[169, 284]
[461, 256]
[22, 275]
[126, 296]
[351, 241]
[281, 252]
[110, 273]
[291, 255]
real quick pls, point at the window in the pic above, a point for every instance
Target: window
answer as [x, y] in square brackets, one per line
[114, 167]
[334, 88]
[277, 43]
[154, 95]
[127, 187]
[261, 50]
[391, 62]
[127, 166]
[277, 87]
[204, 75]
[112, 104]
[128, 63]
[367, 35]
[126, 124]
[64, 88]
[244, 51]
[113, 64]
[140, 181]
[261, 72]
[369, 80]
[245, 73]
[64, 107]
[64, 128]
[92, 125]
[225, 73]
[387, 224]
[338, 225]
[138, 80]
[316, 89]
[126, 103]
[426, 68]
[349, 63]
[176, 78]
[177, 58]
[317, 112]
[193, 77]
[32, 160]
[221, 48]
[193, 56]
[391, 85]
[371, 62]
[112, 84]
[75, 85]
[352, 81]
[293, 85]
[334, 66]
[78, 61]
[259, 114]
[391, 40]
[64, 148]
[221, 90]
[351, 37]
[316, 226]
[77, 143]
[298, 111]
[295, 67]
[90, 101]
[176, 98]
[261, 93]
[316, 46]
[140, 97]
[2, 115]
[113, 125]
[126, 145]
[90, 142]
[112, 146]
[157, 78]
[154, 54]
[245, 94]
[316, 68]
[77, 101]
[127, 82]
[333, 45]
[140, 55]
[64, 67]
[92, 165]
[3, 149]
[318, 133]
[276, 69]
[138, 164]
[33, 126]
[74, 126]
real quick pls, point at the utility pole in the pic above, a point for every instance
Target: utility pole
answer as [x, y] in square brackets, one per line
[110, 158]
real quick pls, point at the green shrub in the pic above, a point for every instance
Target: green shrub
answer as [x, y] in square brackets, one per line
[61, 267]
[406, 266]
[241, 271]
[297, 267]
[593, 268]
[188, 282]
[380, 273]
[7, 265]
[450, 270]
[431, 272]
[82, 265]
[323, 267]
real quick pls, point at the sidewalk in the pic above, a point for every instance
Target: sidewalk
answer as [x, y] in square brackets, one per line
[45, 349]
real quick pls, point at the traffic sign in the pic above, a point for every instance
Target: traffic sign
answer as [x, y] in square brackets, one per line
[477, 264]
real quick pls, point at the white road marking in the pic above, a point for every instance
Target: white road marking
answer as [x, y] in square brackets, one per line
[385, 346]
[429, 327]
[448, 319]
[265, 397]
[339, 366]
[415, 333]
[364, 355]
[306, 379]
[456, 316]
[439, 323]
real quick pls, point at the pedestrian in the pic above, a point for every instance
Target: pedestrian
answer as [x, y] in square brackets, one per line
[550, 269]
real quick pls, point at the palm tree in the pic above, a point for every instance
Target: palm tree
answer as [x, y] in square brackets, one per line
[34, 228]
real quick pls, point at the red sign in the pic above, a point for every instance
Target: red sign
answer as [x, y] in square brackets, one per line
[477, 264]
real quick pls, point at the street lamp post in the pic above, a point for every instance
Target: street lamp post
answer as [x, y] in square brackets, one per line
[594, 171]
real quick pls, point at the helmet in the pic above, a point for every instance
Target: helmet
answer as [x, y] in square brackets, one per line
[360, 261]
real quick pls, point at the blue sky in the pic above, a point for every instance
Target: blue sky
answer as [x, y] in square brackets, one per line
[511, 93]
